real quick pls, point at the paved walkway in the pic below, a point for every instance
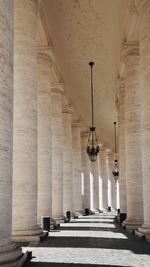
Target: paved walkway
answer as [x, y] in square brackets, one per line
[91, 241]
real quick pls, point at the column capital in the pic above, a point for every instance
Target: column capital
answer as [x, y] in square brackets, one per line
[76, 124]
[109, 152]
[85, 134]
[57, 88]
[67, 109]
[46, 53]
[142, 4]
[102, 147]
[129, 49]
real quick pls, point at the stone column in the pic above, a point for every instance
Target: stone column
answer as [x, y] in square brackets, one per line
[103, 181]
[9, 251]
[109, 168]
[57, 151]
[85, 171]
[94, 167]
[122, 159]
[144, 35]
[133, 137]
[67, 159]
[44, 135]
[76, 160]
[25, 226]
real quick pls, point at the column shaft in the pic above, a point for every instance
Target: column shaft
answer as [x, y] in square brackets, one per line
[133, 137]
[9, 252]
[94, 169]
[44, 136]
[103, 181]
[122, 160]
[25, 122]
[144, 38]
[67, 159]
[76, 146]
[85, 171]
[57, 151]
[109, 168]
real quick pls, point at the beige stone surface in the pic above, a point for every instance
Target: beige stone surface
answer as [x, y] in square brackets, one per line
[9, 251]
[144, 41]
[85, 171]
[25, 226]
[57, 150]
[133, 137]
[67, 158]
[88, 30]
[94, 169]
[103, 180]
[121, 129]
[76, 164]
[111, 182]
[44, 135]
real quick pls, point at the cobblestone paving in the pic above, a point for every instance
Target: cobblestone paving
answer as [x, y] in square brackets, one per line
[90, 241]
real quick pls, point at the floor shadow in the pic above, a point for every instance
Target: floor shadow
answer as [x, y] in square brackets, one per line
[54, 264]
[134, 244]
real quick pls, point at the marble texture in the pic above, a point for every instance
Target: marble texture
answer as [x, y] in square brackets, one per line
[9, 251]
[121, 130]
[25, 226]
[103, 180]
[94, 170]
[76, 164]
[111, 182]
[85, 171]
[133, 137]
[44, 134]
[57, 150]
[144, 41]
[67, 158]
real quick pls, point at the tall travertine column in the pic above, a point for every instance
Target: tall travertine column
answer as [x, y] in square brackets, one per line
[9, 252]
[57, 150]
[94, 169]
[133, 137]
[85, 171]
[76, 161]
[144, 35]
[109, 167]
[122, 159]
[44, 135]
[25, 226]
[103, 201]
[67, 158]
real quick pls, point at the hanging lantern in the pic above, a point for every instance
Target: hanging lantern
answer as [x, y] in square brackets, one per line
[92, 146]
[115, 171]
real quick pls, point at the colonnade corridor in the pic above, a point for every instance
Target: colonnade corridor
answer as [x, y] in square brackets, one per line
[93, 240]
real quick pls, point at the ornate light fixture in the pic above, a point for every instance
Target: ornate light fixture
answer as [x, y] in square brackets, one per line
[92, 145]
[115, 171]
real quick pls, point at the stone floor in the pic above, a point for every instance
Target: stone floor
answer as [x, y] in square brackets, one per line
[90, 241]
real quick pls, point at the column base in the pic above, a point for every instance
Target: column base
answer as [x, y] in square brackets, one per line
[27, 235]
[131, 225]
[59, 219]
[121, 217]
[145, 230]
[77, 213]
[11, 255]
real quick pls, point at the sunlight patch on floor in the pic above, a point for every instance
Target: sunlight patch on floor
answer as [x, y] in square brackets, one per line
[89, 256]
[93, 225]
[95, 234]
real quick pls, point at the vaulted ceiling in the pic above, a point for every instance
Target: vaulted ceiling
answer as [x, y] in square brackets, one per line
[81, 31]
